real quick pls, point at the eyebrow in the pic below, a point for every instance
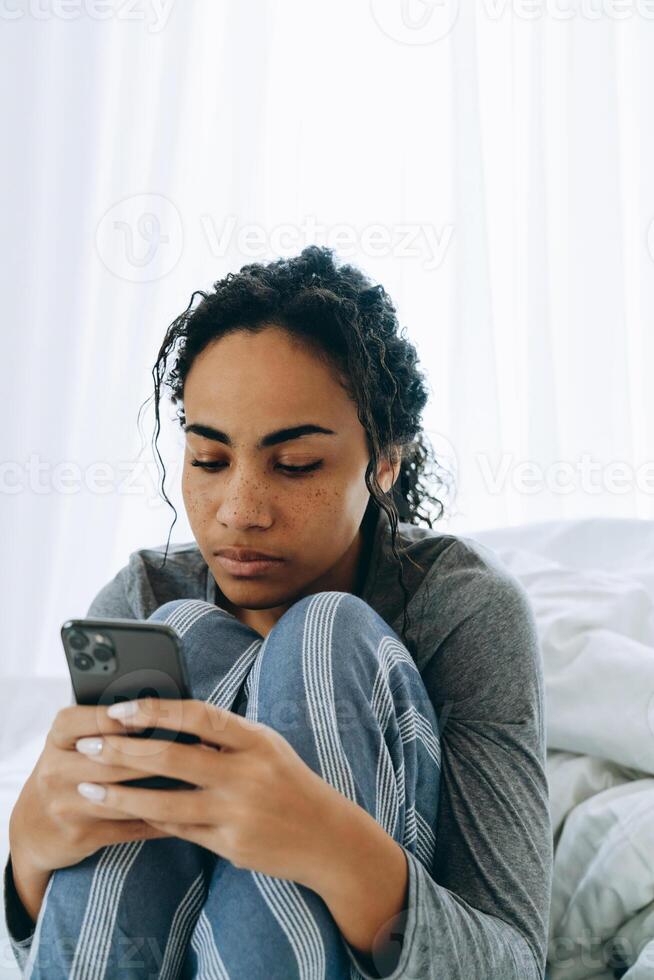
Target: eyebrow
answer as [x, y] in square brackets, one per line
[271, 439]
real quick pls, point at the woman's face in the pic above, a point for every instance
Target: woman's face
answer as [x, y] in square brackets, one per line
[247, 386]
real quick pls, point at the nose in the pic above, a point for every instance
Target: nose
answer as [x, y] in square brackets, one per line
[244, 501]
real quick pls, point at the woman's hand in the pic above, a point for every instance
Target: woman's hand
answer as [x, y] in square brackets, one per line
[51, 826]
[50, 822]
[257, 803]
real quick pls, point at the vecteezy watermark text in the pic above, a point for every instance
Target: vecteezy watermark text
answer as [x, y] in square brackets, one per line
[41, 477]
[153, 13]
[417, 22]
[141, 238]
[565, 476]
[408, 240]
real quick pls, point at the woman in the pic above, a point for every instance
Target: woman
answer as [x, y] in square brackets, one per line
[379, 805]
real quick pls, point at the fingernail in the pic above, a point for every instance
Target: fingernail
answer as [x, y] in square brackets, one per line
[123, 709]
[92, 791]
[90, 746]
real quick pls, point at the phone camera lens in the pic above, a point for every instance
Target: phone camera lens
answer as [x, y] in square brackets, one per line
[77, 640]
[82, 661]
[102, 653]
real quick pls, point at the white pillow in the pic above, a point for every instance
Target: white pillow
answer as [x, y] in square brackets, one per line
[591, 586]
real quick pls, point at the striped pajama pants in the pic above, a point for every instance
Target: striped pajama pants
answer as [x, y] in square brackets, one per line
[170, 908]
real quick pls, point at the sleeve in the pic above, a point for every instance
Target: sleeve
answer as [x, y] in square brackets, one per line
[112, 601]
[134, 592]
[483, 911]
[18, 924]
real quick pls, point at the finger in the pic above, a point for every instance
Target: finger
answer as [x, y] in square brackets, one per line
[199, 764]
[212, 724]
[129, 829]
[203, 834]
[75, 766]
[85, 770]
[70, 803]
[81, 807]
[77, 720]
[169, 806]
[96, 811]
[81, 769]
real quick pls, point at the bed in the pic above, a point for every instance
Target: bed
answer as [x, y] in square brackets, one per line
[591, 584]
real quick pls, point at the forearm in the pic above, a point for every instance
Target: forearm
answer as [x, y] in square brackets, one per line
[363, 879]
[370, 896]
[30, 882]
[397, 918]
[30, 887]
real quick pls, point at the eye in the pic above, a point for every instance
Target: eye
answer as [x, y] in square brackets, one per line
[301, 469]
[290, 470]
[206, 466]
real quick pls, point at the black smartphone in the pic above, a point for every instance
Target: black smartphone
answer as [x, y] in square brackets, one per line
[114, 660]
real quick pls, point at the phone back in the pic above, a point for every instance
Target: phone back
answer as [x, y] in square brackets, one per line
[113, 660]
[121, 659]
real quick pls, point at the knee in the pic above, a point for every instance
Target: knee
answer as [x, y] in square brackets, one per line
[176, 611]
[325, 609]
[162, 613]
[317, 624]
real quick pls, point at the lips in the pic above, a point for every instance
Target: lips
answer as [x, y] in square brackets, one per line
[249, 569]
[245, 554]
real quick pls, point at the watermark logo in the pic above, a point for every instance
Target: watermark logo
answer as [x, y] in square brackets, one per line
[426, 21]
[140, 238]
[415, 21]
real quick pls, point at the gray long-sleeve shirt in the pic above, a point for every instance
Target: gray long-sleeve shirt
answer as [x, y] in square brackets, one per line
[483, 911]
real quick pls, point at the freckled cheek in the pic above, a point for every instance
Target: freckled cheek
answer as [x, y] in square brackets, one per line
[198, 502]
[316, 509]
[189, 494]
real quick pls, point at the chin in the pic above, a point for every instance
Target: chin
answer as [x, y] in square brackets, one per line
[235, 589]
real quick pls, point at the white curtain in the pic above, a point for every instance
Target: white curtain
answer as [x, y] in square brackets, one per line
[491, 164]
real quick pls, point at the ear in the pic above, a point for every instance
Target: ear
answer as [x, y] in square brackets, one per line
[388, 470]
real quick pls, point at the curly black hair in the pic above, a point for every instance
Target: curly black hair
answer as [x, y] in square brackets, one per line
[351, 324]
